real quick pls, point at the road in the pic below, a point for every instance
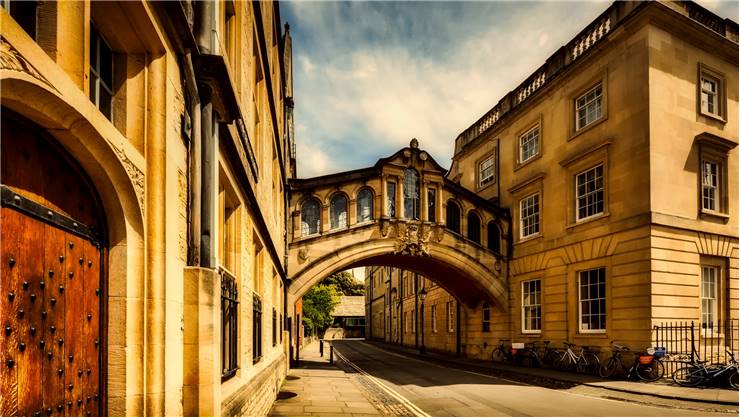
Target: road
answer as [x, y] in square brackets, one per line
[429, 389]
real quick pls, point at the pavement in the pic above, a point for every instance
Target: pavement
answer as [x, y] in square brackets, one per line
[318, 388]
[553, 378]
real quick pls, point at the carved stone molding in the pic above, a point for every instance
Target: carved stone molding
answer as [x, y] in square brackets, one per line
[135, 174]
[12, 60]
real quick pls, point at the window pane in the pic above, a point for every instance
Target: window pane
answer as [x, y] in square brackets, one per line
[365, 205]
[338, 212]
[310, 217]
[410, 194]
[391, 199]
[432, 204]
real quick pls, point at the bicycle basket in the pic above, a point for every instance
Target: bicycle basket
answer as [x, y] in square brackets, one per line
[659, 352]
[646, 359]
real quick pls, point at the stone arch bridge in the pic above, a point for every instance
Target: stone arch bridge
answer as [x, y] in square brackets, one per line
[401, 212]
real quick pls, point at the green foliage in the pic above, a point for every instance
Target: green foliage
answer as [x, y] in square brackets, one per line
[345, 283]
[318, 303]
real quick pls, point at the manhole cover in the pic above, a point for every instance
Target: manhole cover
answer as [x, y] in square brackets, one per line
[284, 395]
[292, 377]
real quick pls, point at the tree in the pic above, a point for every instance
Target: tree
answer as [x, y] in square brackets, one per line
[345, 283]
[318, 303]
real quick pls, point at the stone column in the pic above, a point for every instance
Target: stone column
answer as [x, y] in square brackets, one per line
[383, 195]
[399, 197]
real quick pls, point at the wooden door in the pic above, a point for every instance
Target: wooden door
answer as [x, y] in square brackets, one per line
[51, 274]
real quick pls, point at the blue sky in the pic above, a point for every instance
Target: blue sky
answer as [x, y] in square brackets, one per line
[369, 76]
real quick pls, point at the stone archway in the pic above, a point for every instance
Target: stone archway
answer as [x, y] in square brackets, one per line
[116, 172]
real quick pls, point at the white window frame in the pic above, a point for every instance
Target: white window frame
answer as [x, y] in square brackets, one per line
[706, 93]
[595, 193]
[581, 329]
[709, 296]
[710, 183]
[537, 295]
[484, 176]
[434, 318]
[596, 101]
[530, 200]
[530, 138]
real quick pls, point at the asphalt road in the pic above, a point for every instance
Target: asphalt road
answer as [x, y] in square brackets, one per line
[436, 390]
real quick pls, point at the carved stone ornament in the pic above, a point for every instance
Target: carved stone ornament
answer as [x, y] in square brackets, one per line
[302, 255]
[385, 227]
[439, 233]
[12, 60]
[135, 174]
[412, 239]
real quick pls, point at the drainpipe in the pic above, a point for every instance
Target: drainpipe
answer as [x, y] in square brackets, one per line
[204, 39]
[194, 161]
[401, 324]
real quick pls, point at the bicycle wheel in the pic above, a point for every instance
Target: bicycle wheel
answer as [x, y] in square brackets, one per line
[594, 364]
[733, 379]
[564, 363]
[688, 376]
[650, 372]
[609, 368]
[498, 355]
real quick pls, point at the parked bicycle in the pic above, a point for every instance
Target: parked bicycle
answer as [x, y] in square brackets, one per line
[551, 355]
[529, 356]
[699, 373]
[502, 354]
[584, 362]
[646, 366]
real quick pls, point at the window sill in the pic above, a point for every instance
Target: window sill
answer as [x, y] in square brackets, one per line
[531, 333]
[586, 128]
[529, 238]
[600, 334]
[483, 187]
[714, 215]
[712, 116]
[520, 165]
[587, 220]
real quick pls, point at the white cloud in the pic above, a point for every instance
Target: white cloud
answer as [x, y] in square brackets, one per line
[374, 75]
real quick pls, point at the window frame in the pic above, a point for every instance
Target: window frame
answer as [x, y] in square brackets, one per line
[450, 318]
[602, 190]
[486, 318]
[339, 225]
[484, 182]
[719, 78]
[431, 204]
[538, 141]
[598, 85]
[715, 298]
[256, 328]
[95, 70]
[716, 187]
[434, 318]
[229, 325]
[390, 199]
[522, 236]
[315, 200]
[524, 306]
[580, 273]
[414, 200]
[365, 190]
[459, 216]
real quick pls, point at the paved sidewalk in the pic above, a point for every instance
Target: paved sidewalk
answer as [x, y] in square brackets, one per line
[321, 389]
[553, 377]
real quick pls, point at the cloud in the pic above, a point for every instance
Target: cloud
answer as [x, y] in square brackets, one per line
[373, 75]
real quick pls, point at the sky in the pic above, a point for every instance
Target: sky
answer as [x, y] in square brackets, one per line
[370, 76]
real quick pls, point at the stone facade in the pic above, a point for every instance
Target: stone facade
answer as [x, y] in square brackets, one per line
[651, 239]
[190, 155]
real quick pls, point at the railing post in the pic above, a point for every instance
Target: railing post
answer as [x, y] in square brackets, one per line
[321, 347]
[331, 353]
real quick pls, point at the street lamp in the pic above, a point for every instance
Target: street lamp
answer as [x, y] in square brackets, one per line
[423, 295]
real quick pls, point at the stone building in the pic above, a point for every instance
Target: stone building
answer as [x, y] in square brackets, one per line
[145, 152]
[617, 160]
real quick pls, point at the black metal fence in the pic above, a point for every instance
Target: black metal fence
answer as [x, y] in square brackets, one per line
[686, 341]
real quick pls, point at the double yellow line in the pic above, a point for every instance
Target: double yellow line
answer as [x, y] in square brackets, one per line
[411, 407]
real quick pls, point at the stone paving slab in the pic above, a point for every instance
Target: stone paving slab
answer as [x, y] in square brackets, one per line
[321, 389]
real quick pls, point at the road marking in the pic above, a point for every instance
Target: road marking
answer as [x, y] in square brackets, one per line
[403, 400]
[445, 367]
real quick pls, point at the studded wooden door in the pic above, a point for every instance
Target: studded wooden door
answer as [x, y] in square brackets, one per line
[51, 274]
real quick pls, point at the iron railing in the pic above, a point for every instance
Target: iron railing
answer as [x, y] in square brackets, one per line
[686, 341]
[229, 325]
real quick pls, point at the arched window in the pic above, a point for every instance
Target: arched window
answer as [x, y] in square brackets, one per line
[494, 237]
[474, 227]
[310, 217]
[338, 211]
[364, 205]
[411, 194]
[453, 216]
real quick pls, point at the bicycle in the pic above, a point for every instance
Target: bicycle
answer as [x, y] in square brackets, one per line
[551, 355]
[646, 367]
[699, 372]
[584, 362]
[529, 356]
[501, 354]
